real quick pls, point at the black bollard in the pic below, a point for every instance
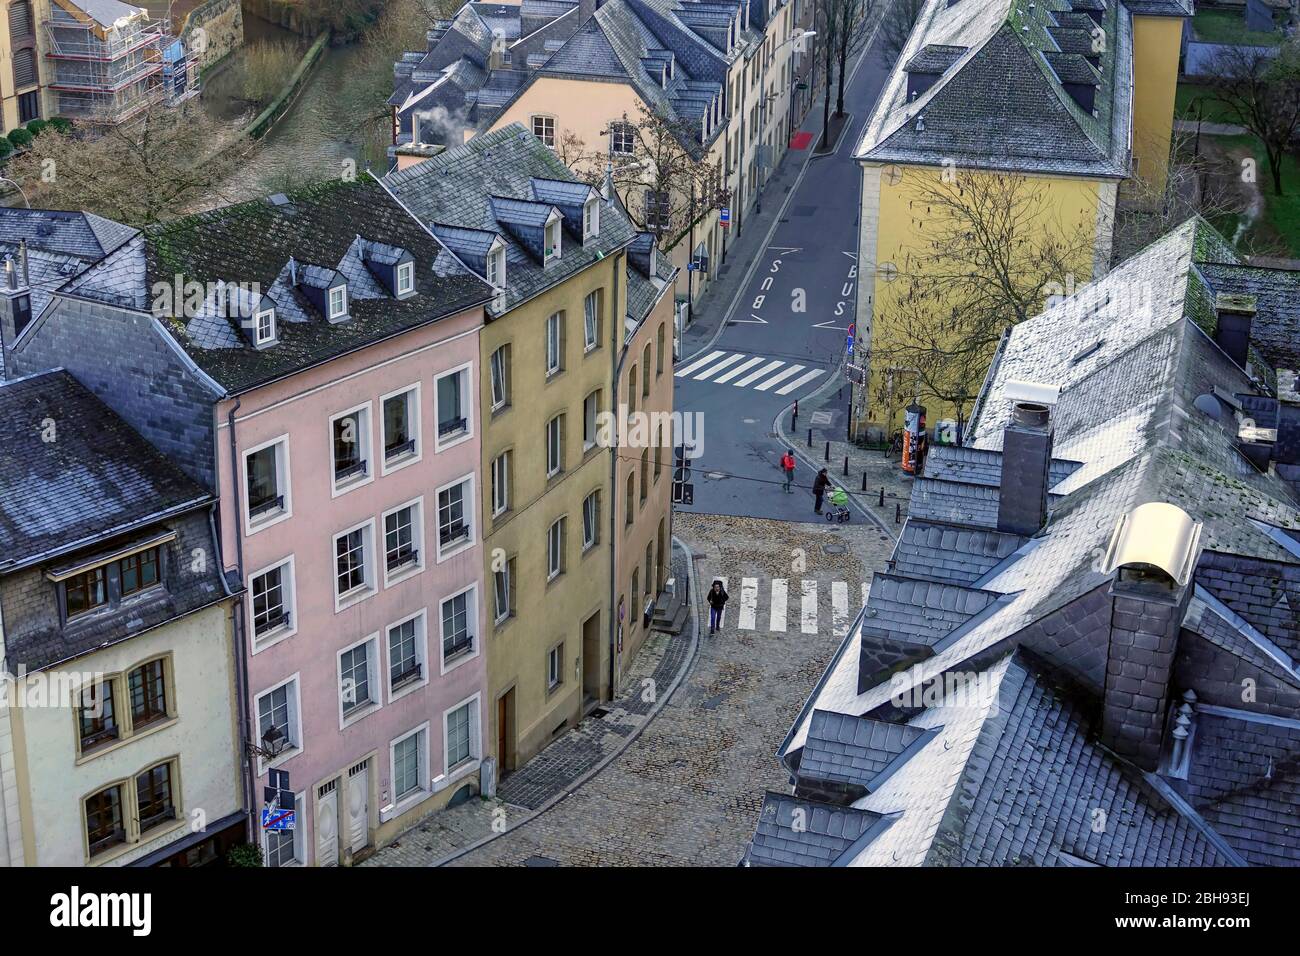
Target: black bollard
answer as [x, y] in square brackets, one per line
[846, 464]
[882, 496]
[810, 438]
[864, 482]
[898, 512]
[828, 451]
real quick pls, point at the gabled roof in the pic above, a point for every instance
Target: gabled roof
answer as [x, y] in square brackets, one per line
[826, 834]
[80, 234]
[854, 751]
[1000, 102]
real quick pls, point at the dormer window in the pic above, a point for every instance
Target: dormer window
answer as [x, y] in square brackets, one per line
[494, 271]
[338, 304]
[405, 278]
[264, 327]
[552, 238]
[591, 219]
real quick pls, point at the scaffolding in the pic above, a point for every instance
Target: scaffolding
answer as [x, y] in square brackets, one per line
[108, 65]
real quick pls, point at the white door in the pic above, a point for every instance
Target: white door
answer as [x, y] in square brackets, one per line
[327, 824]
[358, 807]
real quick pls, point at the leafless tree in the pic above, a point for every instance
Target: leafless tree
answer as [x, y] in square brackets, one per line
[994, 251]
[1262, 93]
[896, 26]
[843, 27]
[163, 163]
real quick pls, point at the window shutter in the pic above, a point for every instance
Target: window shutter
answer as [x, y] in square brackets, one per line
[20, 20]
[24, 67]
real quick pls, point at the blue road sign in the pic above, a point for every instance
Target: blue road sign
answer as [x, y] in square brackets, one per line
[724, 215]
[278, 819]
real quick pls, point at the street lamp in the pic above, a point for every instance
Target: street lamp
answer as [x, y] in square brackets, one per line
[19, 188]
[797, 37]
[274, 742]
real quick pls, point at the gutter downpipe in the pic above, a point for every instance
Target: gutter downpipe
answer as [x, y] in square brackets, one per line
[616, 364]
[241, 677]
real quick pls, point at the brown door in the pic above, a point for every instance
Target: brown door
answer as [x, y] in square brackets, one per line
[591, 662]
[505, 717]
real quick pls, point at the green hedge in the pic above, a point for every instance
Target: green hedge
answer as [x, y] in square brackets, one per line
[60, 125]
[5, 147]
[18, 138]
[37, 126]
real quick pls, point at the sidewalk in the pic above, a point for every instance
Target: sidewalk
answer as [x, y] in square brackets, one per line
[825, 414]
[562, 767]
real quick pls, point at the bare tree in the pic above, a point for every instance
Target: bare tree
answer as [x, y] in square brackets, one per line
[994, 251]
[1262, 93]
[843, 28]
[163, 163]
[896, 26]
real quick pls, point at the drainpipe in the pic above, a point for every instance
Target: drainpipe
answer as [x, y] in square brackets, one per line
[241, 659]
[616, 362]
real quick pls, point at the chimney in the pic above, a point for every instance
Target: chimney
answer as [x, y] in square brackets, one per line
[15, 303]
[1152, 554]
[1286, 448]
[1234, 314]
[1026, 454]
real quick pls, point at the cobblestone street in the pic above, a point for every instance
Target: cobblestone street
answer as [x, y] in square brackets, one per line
[687, 791]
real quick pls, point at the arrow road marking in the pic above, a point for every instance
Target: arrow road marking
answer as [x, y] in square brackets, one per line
[830, 324]
[752, 320]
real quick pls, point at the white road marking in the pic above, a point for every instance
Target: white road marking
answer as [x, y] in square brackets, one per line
[728, 376]
[777, 621]
[803, 379]
[840, 608]
[808, 615]
[865, 588]
[779, 376]
[755, 376]
[748, 604]
[698, 363]
[719, 366]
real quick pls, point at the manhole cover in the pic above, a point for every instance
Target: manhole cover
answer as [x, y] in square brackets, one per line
[540, 861]
[834, 549]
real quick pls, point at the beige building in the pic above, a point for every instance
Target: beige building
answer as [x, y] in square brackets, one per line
[21, 80]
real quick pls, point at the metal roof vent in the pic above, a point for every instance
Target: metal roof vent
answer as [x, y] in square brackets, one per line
[1153, 541]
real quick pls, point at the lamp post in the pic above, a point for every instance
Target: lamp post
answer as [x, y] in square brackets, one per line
[19, 188]
[798, 37]
[274, 743]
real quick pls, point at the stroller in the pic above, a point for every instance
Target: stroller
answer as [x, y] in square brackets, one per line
[839, 509]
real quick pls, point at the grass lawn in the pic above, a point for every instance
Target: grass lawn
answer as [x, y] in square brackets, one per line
[1212, 111]
[1229, 26]
[1281, 219]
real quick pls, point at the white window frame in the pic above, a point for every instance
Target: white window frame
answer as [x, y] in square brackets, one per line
[425, 789]
[283, 481]
[449, 773]
[496, 256]
[342, 292]
[500, 479]
[591, 322]
[617, 130]
[371, 586]
[372, 676]
[468, 506]
[295, 722]
[587, 545]
[591, 218]
[417, 541]
[258, 338]
[421, 617]
[472, 617]
[466, 404]
[365, 442]
[299, 833]
[555, 321]
[553, 573]
[558, 682]
[405, 271]
[505, 377]
[558, 422]
[544, 134]
[256, 645]
[551, 231]
[499, 618]
[588, 443]
[413, 411]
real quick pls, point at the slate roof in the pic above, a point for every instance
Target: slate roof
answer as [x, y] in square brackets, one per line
[1015, 771]
[1000, 103]
[325, 225]
[828, 832]
[468, 186]
[96, 478]
[852, 750]
[1275, 329]
[80, 234]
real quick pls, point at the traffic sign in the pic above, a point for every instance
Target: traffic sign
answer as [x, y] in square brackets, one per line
[277, 819]
[724, 217]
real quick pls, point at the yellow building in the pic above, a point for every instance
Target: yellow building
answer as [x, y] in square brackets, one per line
[551, 349]
[21, 83]
[1067, 99]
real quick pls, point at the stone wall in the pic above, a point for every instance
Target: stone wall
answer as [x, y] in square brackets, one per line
[213, 31]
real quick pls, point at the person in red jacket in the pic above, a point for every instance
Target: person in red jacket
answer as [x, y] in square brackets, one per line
[787, 465]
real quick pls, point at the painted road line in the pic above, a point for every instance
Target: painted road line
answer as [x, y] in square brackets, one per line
[840, 608]
[777, 621]
[778, 377]
[719, 366]
[755, 376]
[728, 376]
[803, 379]
[748, 604]
[865, 588]
[808, 613]
[698, 363]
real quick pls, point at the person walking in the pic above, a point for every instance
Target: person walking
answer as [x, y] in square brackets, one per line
[717, 601]
[819, 489]
[787, 465]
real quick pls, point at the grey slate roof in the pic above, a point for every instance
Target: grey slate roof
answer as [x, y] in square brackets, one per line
[1264, 593]
[96, 477]
[852, 750]
[944, 552]
[982, 466]
[826, 833]
[468, 186]
[1275, 329]
[80, 234]
[1001, 105]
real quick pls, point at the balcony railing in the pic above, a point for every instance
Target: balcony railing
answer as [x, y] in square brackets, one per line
[453, 532]
[456, 645]
[265, 506]
[451, 426]
[401, 558]
[344, 471]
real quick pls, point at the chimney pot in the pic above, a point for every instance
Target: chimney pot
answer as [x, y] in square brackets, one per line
[1030, 414]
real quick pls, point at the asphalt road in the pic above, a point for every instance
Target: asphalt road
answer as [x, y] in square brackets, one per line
[786, 332]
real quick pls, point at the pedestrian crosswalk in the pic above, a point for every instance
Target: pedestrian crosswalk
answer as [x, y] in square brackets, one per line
[748, 606]
[749, 371]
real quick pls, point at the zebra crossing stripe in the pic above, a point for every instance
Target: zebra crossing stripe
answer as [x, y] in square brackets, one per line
[840, 607]
[699, 363]
[728, 376]
[755, 376]
[777, 621]
[778, 377]
[808, 613]
[803, 379]
[729, 360]
[748, 604]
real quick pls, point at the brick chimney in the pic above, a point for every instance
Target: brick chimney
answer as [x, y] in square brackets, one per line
[15, 301]
[1152, 555]
[1234, 314]
[1026, 455]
